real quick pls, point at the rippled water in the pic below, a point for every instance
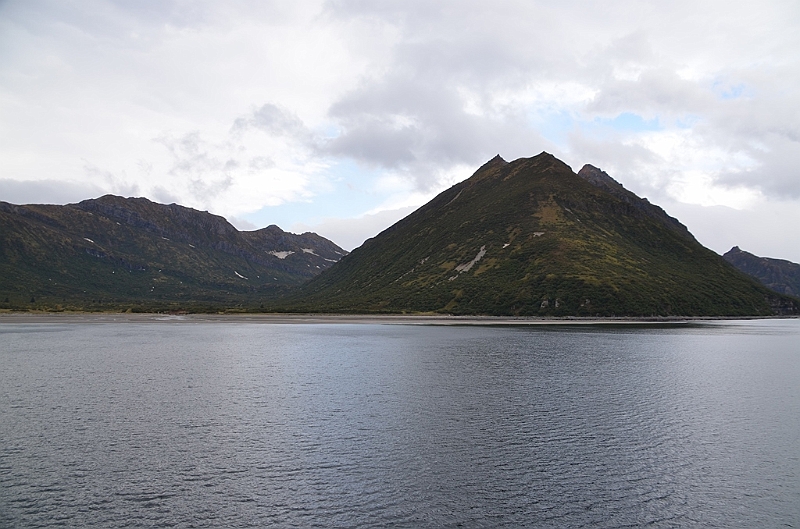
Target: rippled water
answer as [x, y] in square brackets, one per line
[248, 425]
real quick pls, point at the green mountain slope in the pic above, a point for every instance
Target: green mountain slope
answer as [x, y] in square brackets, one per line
[776, 274]
[113, 252]
[531, 237]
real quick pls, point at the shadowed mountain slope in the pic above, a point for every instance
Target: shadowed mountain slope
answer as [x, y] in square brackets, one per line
[115, 250]
[776, 274]
[531, 237]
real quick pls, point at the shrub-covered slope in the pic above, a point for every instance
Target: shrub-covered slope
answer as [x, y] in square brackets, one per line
[531, 237]
[113, 252]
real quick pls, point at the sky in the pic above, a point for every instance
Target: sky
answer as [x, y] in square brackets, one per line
[343, 116]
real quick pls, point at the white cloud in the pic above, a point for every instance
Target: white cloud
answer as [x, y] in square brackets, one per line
[350, 233]
[239, 105]
[765, 228]
[45, 191]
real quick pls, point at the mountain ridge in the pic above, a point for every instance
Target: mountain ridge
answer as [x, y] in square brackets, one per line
[55, 254]
[779, 275]
[523, 238]
[533, 238]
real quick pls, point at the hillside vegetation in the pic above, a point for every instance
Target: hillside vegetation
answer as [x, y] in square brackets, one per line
[115, 253]
[532, 237]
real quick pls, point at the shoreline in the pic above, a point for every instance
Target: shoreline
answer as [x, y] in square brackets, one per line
[379, 319]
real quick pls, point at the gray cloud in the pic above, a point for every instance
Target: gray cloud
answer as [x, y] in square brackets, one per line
[46, 191]
[420, 127]
[659, 91]
[411, 114]
[621, 159]
[776, 172]
[270, 95]
[207, 173]
[109, 181]
[768, 230]
[272, 119]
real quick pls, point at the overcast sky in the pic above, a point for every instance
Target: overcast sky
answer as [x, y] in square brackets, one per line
[343, 116]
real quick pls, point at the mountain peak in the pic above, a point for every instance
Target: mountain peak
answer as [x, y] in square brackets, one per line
[531, 237]
[776, 274]
[495, 162]
[598, 177]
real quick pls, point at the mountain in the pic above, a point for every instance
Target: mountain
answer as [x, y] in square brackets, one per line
[776, 274]
[113, 252]
[531, 237]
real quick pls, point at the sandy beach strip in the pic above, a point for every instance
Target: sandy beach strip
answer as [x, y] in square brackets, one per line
[375, 319]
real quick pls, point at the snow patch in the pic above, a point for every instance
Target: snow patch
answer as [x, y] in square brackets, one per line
[538, 233]
[281, 255]
[88, 239]
[466, 266]
[239, 275]
[331, 260]
[309, 250]
[506, 245]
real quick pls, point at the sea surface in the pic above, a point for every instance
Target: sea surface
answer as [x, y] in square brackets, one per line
[185, 423]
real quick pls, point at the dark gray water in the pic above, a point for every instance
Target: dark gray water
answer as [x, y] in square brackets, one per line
[166, 424]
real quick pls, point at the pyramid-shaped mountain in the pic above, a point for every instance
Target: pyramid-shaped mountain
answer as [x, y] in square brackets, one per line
[531, 237]
[112, 252]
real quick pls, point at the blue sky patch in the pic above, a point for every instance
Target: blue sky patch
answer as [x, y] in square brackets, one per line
[351, 190]
[629, 122]
[728, 91]
[554, 126]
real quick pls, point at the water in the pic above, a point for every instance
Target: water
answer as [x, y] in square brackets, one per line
[208, 424]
